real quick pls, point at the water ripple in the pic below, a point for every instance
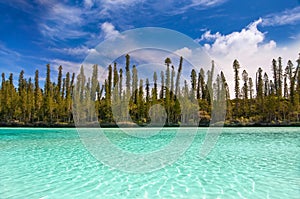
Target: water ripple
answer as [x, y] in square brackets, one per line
[245, 163]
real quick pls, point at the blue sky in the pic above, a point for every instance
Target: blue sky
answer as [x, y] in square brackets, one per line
[34, 33]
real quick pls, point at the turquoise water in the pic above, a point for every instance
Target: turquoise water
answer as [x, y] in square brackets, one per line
[245, 163]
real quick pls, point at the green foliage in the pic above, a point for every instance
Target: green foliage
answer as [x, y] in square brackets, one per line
[276, 100]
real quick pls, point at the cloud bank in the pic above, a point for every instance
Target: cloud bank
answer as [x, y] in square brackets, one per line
[250, 47]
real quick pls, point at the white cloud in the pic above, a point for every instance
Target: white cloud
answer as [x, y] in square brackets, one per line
[149, 56]
[88, 3]
[271, 45]
[68, 66]
[109, 30]
[185, 52]
[251, 49]
[286, 17]
[235, 43]
[74, 67]
[207, 36]
[81, 50]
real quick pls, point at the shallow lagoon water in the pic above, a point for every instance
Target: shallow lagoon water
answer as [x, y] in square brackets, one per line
[245, 163]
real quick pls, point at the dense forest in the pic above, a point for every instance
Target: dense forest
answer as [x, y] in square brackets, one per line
[124, 98]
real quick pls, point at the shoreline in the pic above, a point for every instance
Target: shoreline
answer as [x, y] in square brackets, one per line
[72, 125]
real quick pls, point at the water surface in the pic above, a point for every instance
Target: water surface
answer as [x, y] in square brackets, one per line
[245, 163]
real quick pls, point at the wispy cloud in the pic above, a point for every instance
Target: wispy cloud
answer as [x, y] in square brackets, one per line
[77, 51]
[62, 22]
[55, 20]
[167, 7]
[25, 6]
[107, 7]
[10, 60]
[286, 17]
[64, 14]
[61, 32]
[4, 51]
[70, 21]
[201, 4]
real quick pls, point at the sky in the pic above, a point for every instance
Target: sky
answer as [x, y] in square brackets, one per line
[34, 33]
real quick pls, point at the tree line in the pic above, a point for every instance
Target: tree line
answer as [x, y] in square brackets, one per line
[125, 98]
